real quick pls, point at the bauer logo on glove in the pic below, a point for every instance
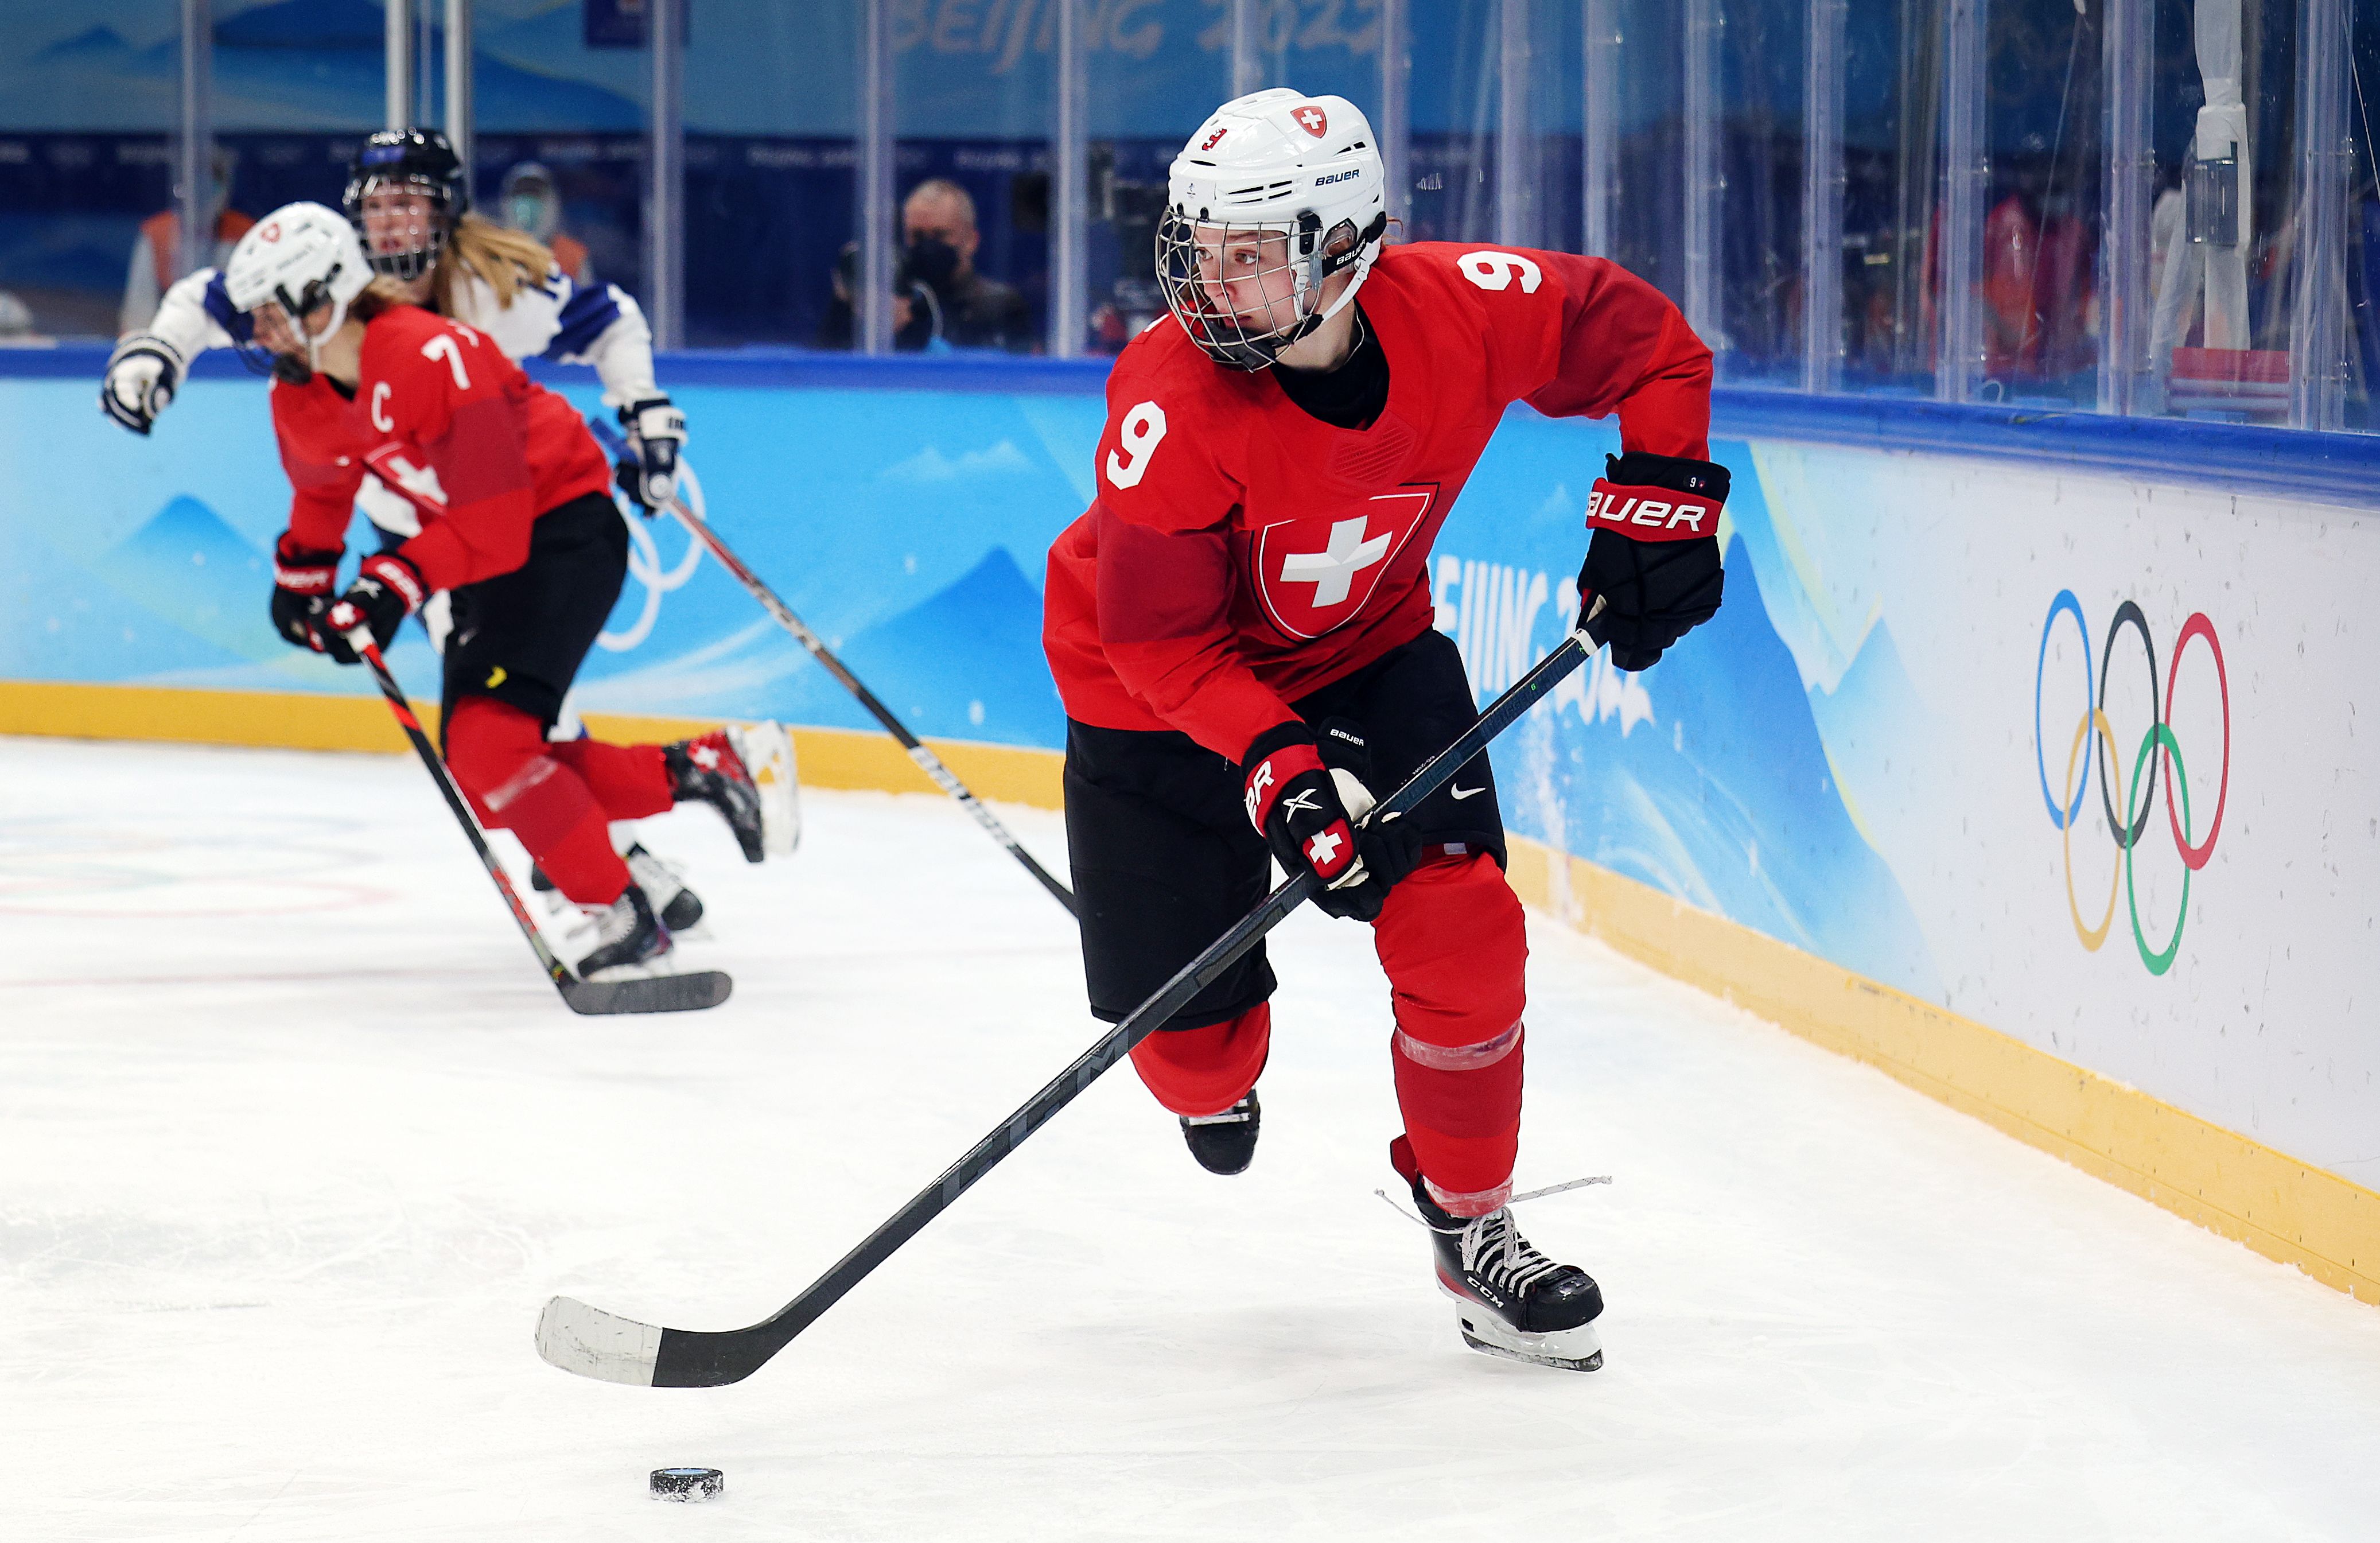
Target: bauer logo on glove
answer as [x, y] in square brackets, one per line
[1652, 553]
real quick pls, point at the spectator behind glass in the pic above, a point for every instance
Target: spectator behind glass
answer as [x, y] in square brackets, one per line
[937, 293]
[531, 204]
[157, 251]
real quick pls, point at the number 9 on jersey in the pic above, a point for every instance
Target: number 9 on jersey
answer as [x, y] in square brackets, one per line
[1137, 437]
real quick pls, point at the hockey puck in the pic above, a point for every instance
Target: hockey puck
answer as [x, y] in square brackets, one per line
[687, 1484]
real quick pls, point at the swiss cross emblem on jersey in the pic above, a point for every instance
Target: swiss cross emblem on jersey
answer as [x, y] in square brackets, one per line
[1316, 574]
[1313, 120]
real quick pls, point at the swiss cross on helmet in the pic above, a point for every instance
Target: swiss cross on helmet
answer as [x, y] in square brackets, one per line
[300, 257]
[408, 160]
[1275, 194]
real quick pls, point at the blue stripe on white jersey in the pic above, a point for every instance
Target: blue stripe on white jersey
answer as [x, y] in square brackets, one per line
[586, 316]
[219, 311]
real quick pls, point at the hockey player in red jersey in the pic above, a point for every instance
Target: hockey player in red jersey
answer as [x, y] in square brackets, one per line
[516, 524]
[1241, 628]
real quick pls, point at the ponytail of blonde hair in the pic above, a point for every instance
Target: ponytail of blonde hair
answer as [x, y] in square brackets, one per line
[502, 258]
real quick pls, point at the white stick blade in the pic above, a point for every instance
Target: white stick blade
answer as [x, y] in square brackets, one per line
[592, 1342]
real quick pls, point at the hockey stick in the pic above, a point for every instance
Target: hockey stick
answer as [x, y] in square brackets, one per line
[593, 1343]
[928, 763]
[660, 994]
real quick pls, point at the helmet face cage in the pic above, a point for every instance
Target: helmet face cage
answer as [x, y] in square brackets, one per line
[1244, 290]
[408, 160]
[418, 242]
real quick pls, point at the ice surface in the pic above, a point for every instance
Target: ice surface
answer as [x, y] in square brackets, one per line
[295, 1141]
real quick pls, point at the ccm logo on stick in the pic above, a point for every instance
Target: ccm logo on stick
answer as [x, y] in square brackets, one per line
[1632, 507]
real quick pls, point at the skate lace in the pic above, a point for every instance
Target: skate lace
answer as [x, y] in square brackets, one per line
[615, 923]
[1494, 1249]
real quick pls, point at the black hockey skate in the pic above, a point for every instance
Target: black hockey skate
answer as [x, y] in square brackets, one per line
[1513, 1301]
[709, 768]
[1225, 1143]
[679, 907]
[629, 940]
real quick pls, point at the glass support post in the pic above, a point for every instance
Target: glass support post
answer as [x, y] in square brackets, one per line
[665, 167]
[459, 80]
[2318, 311]
[876, 180]
[425, 63]
[194, 140]
[1394, 124]
[1704, 188]
[1966, 172]
[1069, 193]
[1247, 58]
[396, 44]
[1515, 166]
[1599, 126]
[2127, 311]
[1822, 196]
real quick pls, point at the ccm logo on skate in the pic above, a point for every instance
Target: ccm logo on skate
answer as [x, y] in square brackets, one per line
[1649, 516]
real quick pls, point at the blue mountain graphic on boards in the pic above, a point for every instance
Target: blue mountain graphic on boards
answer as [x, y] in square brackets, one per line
[1726, 800]
[965, 663]
[186, 567]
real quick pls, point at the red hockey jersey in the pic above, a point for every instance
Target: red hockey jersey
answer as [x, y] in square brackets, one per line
[445, 419]
[1241, 552]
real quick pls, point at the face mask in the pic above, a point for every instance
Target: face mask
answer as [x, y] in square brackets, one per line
[933, 262]
[532, 212]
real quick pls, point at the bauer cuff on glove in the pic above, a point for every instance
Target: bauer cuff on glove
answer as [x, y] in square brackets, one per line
[143, 375]
[301, 588]
[1307, 813]
[656, 432]
[386, 590]
[1652, 554]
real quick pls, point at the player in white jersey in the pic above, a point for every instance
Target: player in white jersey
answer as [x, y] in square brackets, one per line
[409, 198]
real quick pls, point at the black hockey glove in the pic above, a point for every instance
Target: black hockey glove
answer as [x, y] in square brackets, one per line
[656, 432]
[1652, 555]
[141, 377]
[302, 586]
[386, 590]
[1302, 808]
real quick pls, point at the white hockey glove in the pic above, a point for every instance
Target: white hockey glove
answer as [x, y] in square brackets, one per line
[656, 432]
[141, 375]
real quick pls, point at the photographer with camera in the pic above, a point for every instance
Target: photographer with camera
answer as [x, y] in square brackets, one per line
[937, 293]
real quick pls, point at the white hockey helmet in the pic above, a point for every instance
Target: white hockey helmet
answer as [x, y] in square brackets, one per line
[298, 257]
[1276, 192]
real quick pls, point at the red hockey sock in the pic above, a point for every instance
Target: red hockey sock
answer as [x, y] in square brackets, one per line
[1453, 942]
[499, 756]
[1206, 1070]
[629, 780]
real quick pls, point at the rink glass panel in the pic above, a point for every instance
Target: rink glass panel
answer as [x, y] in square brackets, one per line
[88, 111]
[773, 140]
[1757, 54]
[2014, 188]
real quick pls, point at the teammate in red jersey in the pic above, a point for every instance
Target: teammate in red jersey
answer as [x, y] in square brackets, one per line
[1241, 628]
[516, 524]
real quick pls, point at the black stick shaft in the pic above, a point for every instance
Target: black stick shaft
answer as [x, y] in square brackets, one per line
[554, 968]
[706, 1360]
[927, 762]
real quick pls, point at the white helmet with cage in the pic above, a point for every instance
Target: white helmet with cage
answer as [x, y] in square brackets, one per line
[1274, 194]
[298, 257]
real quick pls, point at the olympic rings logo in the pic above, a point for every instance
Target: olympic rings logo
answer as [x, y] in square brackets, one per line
[645, 564]
[2095, 741]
